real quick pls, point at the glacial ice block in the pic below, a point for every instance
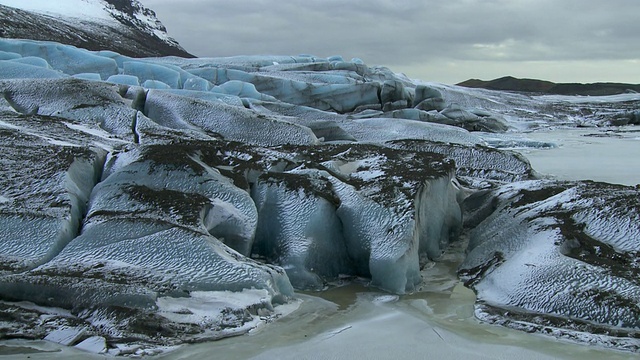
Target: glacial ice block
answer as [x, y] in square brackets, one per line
[560, 255]
[5, 55]
[330, 90]
[68, 59]
[393, 206]
[298, 227]
[161, 222]
[85, 101]
[473, 122]
[155, 84]
[14, 70]
[124, 80]
[146, 71]
[197, 84]
[230, 122]
[43, 191]
[384, 129]
[392, 217]
[477, 161]
[341, 98]
[88, 76]
[33, 61]
[179, 172]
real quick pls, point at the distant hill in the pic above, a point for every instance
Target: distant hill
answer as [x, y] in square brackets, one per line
[509, 83]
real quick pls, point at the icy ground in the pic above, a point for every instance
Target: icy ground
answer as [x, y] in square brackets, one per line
[600, 154]
[148, 203]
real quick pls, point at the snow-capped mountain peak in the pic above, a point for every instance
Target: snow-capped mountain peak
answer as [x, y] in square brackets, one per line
[95, 9]
[91, 24]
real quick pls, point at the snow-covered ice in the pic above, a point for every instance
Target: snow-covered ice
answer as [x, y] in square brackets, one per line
[135, 193]
[553, 254]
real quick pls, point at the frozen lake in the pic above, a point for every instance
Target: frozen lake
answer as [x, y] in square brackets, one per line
[600, 154]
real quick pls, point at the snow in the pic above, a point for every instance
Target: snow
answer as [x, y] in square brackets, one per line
[94, 344]
[209, 307]
[81, 10]
[71, 8]
[67, 337]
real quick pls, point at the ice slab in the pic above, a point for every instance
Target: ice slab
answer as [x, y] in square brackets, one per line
[558, 254]
[384, 129]
[33, 61]
[88, 76]
[160, 225]
[124, 80]
[298, 227]
[146, 71]
[478, 161]
[14, 70]
[94, 344]
[74, 99]
[389, 218]
[230, 122]
[67, 337]
[45, 186]
[68, 59]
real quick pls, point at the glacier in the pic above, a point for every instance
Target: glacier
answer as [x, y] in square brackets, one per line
[134, 189]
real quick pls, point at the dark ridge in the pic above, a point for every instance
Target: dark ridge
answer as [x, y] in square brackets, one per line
[128, 39]
[509, 83]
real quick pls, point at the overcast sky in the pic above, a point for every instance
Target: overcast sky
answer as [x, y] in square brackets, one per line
[434, 40]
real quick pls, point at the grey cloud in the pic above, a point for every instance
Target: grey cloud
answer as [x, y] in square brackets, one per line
[404, 32]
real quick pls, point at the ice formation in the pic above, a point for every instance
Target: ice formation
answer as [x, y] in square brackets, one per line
[557, 255]
[137, 188]
[386, 207]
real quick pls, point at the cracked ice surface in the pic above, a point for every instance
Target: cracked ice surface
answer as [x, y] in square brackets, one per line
[45, 186]
[553, 254]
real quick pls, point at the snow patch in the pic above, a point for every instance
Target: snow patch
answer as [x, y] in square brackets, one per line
[70, 8]
[67, 336]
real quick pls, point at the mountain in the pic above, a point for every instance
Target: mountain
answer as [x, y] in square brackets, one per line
[123, 26]
[509, 83]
